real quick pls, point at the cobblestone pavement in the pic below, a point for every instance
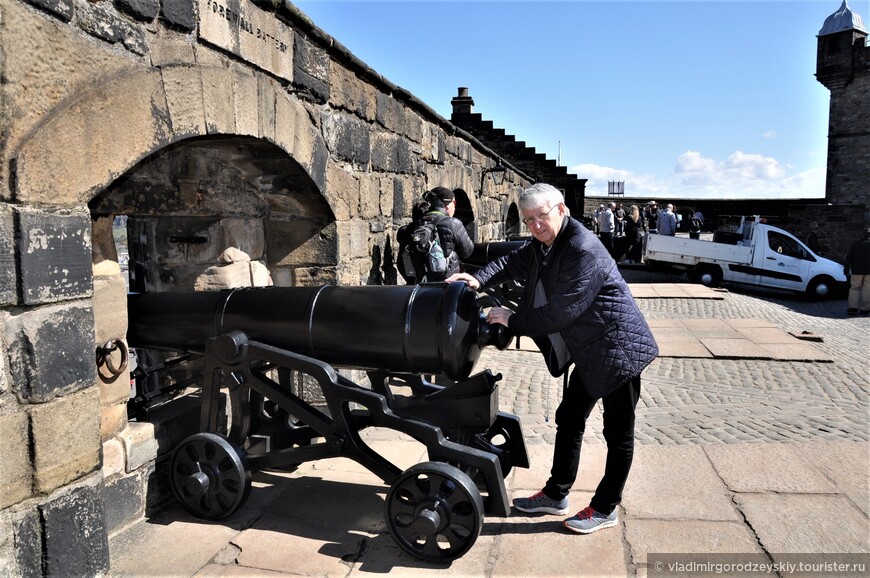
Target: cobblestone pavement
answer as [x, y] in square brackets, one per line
[698, 401]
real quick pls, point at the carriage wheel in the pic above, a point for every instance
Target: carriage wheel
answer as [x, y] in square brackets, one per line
[434, 512]
[209, 476]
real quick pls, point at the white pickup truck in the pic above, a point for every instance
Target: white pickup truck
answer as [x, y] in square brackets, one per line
[754, 254]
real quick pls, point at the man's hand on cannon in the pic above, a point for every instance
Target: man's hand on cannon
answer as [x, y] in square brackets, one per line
[499, 315]
[465, 278]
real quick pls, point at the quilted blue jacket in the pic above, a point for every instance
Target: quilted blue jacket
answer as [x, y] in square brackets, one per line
[588, 304]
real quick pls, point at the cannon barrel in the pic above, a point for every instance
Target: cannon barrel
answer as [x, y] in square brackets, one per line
[424, 329]
[483, 253]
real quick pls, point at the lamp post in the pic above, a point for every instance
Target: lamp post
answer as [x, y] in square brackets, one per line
[498, 171]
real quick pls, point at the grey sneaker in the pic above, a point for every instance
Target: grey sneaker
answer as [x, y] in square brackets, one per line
[588, 520]
[540, 503]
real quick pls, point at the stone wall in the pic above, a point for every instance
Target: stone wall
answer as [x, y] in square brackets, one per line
[306, 165]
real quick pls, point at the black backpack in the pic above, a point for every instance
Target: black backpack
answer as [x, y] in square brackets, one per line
[424, 251]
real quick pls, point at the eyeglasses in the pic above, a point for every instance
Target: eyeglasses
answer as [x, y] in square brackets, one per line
[540, 218]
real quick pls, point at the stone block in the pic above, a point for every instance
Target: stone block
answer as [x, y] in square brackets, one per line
[266, 95]
[183, 87]
[140, 444]
[301, 242]
[342, 191]
[8, 287]
[50, 351]
[218, 100]
[113, 418]
[385, 152]
[145, 10]
[313, 276]
[110, 309]
[55, 255]
[165, 50]
[124, 500]
[99, 21]
[311, 69]
[179, 13]
[160, 492]
[113, 458]
[347, 138]
[246, 100]
[27, 532]
[370, 198]
[16, 475]
[76, 542]
[347, 91]
[63, 9]
[66, 439]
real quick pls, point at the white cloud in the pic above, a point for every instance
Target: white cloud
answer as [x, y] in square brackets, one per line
[769, 134]
[741, 175]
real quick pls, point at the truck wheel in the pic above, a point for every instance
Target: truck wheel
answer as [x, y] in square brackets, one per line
[710, 276]
[820, 287]
[694, 275]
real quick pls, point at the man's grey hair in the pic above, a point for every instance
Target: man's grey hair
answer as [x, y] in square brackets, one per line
[541, 195]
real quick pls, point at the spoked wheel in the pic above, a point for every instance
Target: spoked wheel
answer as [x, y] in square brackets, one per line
[434, 512]
[209, 476]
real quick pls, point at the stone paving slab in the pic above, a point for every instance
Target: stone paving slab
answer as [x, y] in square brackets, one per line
[173, 544]
[676, 483]
[675, 347]
[765, 335]
[688, 536]
[539, 545]
[847, 465]
[767, 468]
[281, 544]
[673, 291]
[735, 349]
[731, 339]
[806, 523]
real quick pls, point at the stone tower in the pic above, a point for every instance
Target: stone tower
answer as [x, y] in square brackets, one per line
[843, 66]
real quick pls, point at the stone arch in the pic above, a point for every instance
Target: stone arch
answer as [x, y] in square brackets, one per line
[93, 139]
[465, 212]
[512, 223]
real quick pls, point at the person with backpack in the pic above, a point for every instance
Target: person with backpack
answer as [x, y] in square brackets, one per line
[410, 260]
[451, 235]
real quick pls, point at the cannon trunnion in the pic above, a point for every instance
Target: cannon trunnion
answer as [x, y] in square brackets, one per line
[253, 343]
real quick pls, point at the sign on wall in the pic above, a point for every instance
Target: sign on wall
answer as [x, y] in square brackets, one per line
[252, 34]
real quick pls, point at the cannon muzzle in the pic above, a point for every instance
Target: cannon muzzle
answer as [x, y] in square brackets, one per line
[422, 329]
[483, 253]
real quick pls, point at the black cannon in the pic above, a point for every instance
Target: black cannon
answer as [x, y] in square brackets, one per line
[254, 341]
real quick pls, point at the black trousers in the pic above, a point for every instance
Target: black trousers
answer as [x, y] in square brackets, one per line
[618, 432]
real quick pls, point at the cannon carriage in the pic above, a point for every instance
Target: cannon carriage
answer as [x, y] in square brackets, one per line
[255, 341]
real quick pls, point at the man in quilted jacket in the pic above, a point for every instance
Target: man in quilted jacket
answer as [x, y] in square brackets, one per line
[578, 309]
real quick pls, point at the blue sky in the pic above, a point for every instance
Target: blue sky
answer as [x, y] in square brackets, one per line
[679, 99]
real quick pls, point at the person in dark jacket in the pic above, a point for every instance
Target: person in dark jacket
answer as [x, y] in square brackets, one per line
[858, 265]
[409, 271]
[454, 239]
[578, 309]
